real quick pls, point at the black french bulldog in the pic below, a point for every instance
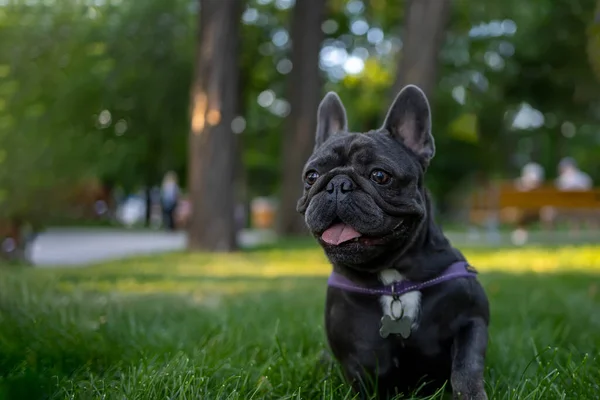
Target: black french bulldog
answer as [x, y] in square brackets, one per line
[365, 202]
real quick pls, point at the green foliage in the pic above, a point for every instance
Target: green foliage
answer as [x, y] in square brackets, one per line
[593, 47]
[45, 127]
[90, 92]
[102, 89]
[250, 325]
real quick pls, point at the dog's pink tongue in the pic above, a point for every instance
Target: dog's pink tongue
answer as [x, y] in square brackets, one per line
[339, 233]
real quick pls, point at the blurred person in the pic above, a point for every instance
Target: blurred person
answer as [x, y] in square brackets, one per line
[156, 207]
[169, 195]
[183, 212]
[532, 177]
[570, 177]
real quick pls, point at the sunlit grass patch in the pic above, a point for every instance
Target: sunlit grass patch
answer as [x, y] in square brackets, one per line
[537, 259]
[200, 275]
[273, 262]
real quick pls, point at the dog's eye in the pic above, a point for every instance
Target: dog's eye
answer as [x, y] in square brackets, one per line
[380, 177]
[311, 177]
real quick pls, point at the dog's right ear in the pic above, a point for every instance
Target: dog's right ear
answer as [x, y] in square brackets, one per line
[409, 119]
[331, 118]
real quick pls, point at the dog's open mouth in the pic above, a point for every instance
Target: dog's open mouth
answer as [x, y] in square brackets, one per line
[340, 233]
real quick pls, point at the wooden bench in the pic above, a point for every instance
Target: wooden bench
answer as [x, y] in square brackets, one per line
[504, 203]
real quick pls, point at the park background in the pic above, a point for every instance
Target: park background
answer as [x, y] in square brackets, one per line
[99, 99]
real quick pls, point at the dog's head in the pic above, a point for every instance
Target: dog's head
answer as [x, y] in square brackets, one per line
[363, 192]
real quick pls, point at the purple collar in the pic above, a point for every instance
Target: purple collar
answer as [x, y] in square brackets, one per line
[459, 269]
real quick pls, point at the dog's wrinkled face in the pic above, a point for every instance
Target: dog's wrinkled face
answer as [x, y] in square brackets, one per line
[363, 192]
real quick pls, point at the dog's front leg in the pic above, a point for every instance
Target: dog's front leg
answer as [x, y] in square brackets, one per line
[369, 374]
[468, 357]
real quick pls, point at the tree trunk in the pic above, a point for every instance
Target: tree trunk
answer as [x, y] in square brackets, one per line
[148, 200]
[304, 94]
[424, 26]
[212, 143]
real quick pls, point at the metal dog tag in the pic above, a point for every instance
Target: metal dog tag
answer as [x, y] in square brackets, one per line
[401, 326]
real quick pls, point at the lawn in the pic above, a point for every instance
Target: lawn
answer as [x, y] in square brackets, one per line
[250, 326]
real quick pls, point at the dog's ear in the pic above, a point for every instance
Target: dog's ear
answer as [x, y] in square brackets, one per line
[331, 118]
[409, 119]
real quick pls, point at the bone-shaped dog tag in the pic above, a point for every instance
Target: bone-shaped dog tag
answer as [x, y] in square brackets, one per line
[401, 326]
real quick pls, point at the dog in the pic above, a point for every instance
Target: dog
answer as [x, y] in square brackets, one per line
[404, 310]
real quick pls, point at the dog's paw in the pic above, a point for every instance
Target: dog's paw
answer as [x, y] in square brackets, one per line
[467, 387]
[470, 395]
[325, 358]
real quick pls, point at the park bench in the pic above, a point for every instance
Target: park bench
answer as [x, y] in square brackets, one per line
[504, 203]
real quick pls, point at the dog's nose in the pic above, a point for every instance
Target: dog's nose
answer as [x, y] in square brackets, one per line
[341, 184]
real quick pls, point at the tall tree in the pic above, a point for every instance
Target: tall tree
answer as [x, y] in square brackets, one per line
[304, 94]
[212, 142]
[424, 26]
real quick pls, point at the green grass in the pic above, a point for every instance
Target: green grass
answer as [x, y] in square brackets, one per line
[250, 326]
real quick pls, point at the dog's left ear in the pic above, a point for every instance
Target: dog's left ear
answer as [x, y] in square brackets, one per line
[331, 118]
[409, 119]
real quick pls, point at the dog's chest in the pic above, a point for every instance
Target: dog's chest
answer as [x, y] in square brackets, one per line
[408, 304]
